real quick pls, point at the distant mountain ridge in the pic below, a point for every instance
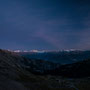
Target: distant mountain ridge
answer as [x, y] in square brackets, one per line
[61, 57]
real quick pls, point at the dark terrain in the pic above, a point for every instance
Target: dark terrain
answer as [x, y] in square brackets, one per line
[80, 69]
[20, 73]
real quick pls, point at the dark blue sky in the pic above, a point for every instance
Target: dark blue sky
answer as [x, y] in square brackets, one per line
[45, 24]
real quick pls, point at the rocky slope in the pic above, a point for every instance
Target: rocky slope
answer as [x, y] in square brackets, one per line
[9, 71]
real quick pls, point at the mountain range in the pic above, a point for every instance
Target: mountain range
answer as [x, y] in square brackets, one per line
[20, 73]
[61, 57]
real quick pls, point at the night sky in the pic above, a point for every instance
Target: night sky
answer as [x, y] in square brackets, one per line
[45, 24]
